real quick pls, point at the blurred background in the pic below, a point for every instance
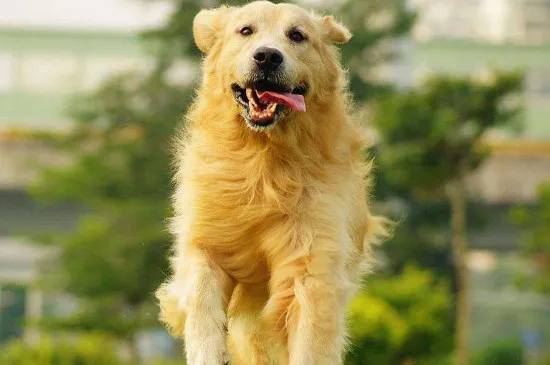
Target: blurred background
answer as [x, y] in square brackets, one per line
[455, 95]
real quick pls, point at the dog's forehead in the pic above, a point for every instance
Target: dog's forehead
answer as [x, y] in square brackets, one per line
[264, 12]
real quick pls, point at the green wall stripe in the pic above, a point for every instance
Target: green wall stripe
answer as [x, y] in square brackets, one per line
[70, 41]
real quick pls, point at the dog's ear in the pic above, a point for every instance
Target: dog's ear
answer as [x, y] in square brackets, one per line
[207, 26]
[334, 31]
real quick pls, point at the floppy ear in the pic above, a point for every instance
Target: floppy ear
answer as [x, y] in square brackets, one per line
[334, 31]
[207, 26]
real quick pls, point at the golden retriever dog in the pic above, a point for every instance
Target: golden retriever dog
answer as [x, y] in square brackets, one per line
[272, 223]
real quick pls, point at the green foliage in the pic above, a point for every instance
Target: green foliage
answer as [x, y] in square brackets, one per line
[501, 353]
[394, 320]
[431, 138]
[536, 244]
[88, 350]
[168, 362]
[428, 137]
[120, 172]
[420, 237]
[433, 134]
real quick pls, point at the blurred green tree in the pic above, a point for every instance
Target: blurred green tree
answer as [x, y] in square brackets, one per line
[432, 138]
[536, 245]
[419, 237]
[393, 322]
[120, 172]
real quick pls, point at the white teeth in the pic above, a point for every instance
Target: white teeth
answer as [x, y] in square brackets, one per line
[250, 96]
[259, 112]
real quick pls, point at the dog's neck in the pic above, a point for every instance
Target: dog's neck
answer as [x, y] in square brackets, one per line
[284, 160]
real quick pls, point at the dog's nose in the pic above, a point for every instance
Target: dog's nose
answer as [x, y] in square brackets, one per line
[268, 58]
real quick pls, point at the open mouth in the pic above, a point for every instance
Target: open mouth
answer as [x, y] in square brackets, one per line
[263, 103]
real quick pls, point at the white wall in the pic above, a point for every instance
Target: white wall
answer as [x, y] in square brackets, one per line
[123, 15]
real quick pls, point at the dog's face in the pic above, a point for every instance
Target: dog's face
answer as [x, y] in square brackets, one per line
[269, 57]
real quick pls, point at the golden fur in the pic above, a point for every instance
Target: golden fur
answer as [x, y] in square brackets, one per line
[271, 227]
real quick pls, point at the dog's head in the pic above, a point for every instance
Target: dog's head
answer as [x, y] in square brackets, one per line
[272, 59]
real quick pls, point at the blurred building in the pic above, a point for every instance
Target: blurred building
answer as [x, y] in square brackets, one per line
[471, 37]
[50, 50]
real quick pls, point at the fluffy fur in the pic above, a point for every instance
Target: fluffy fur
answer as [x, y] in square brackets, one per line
[271, 227]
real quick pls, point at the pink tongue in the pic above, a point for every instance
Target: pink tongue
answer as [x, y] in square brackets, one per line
[294, 101]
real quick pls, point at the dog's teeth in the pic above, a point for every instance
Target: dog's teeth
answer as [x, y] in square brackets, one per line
[250, 96]
[273, 107]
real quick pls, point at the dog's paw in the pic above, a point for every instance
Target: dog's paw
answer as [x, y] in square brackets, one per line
[205, 342]
[207, 357]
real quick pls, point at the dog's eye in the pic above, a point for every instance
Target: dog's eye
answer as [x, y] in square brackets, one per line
[297, 36]
[246, 31]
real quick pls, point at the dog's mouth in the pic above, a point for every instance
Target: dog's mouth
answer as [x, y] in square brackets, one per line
[263, 103]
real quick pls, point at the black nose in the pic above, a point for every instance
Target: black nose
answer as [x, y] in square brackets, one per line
[268, 58]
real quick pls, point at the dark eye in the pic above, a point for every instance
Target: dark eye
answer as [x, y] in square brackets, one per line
[246, 31]
[297, 36]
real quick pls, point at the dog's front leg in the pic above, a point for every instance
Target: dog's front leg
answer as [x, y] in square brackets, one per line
[316, 328]
[206, 307]
[194, 305]
[308, 301]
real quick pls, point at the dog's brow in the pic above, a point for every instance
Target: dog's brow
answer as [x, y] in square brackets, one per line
[300, 26]
[300, 23]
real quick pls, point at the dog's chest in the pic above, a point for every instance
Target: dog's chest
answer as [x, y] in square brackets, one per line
[235, 208]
